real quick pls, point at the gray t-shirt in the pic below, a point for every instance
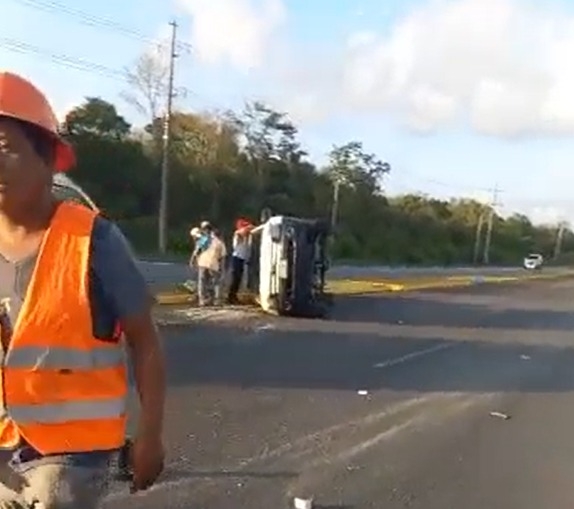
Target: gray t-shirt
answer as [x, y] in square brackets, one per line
[117, 287]
[117, 290]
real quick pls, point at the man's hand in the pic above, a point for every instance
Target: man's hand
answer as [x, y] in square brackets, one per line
[147, 451]
[147, 461]
[128, 296]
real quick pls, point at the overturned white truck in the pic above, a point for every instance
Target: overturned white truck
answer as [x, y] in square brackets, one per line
[288, 266]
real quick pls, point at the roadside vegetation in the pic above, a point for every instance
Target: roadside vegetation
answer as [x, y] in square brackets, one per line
[236, 163]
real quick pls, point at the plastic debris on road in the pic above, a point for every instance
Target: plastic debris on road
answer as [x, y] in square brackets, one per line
[193, 315]
[303, 503]
[190, 286]
[363, 392]
[525, 357]
[264, 327]
[500, 415]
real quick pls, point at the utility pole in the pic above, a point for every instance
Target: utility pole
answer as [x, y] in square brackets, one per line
[163, 201]
[335, 205]
[559, 239]
[490, 224]
[477, 236]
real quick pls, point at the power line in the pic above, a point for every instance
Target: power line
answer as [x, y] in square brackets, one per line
[62, 59]
[78, 64]
[88, 19]
[448, 185]
[83, 17]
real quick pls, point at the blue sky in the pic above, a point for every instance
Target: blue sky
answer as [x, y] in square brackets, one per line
[458, 95]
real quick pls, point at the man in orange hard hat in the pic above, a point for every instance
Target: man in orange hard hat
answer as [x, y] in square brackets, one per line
[240, 256]
[68, 283]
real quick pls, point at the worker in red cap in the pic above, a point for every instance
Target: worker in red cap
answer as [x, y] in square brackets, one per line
[68, 285]
[240, 256]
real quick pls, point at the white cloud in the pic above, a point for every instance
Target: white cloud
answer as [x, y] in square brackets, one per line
[482, 196]
[233, 31]
[540, 210]
[502, 66]
[547, 215]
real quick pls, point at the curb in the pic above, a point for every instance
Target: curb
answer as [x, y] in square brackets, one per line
[357, 286]
[173, 298]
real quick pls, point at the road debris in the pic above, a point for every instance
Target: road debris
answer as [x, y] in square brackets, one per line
[363, 392]
[500, 415]
[525, 357]
[264, 327]
[303, 503]
[190, 286]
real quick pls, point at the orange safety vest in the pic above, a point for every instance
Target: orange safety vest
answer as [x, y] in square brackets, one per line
[62, 390]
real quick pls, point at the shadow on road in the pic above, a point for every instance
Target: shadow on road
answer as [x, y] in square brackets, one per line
[425, 311]
[288, 359]
[491, 345]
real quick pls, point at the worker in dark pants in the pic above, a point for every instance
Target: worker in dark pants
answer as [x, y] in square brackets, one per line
[240, 257]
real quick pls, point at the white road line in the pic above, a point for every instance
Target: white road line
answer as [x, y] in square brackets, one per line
[185, 483]
[414, 355]
[301, 446]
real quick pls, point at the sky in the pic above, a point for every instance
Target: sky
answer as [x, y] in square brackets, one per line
[459, 96]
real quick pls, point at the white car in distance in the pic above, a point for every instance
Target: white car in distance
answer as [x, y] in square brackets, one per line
[533, 261]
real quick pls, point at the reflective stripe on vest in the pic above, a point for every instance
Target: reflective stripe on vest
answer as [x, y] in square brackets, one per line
[62, 412]
[58, 357]
[62, 389]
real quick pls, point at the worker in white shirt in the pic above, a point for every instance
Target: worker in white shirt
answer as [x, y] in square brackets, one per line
[210, 261]
[241, 250]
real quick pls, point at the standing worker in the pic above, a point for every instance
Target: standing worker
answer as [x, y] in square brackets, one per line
[210, 254]
[202, 237]
[196, 236]
[241, 248]
[68, 285]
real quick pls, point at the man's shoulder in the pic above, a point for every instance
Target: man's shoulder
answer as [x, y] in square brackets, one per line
[115, 267]
[102, 229]
[108, 242]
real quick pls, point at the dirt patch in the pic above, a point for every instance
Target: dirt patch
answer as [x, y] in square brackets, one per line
[189, 315]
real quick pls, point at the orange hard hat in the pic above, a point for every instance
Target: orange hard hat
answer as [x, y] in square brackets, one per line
[21, 100]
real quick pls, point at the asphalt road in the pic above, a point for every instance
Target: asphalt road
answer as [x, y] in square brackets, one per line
[269, 409]
[162, 275]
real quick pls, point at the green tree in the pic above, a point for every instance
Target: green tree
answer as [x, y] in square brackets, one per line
[239, 163]
[112, 166]
[96, 118]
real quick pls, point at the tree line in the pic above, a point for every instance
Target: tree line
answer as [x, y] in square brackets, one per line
[226, 165]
